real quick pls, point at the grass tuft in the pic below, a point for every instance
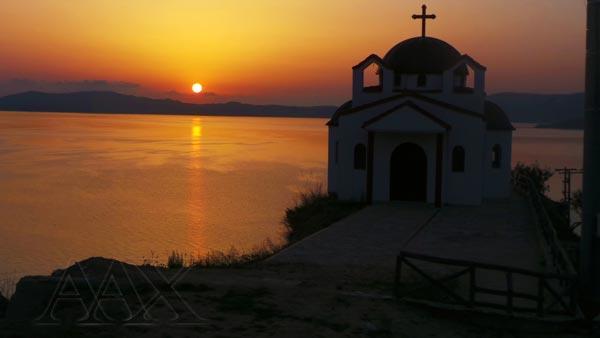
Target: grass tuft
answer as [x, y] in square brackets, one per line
[235, 258]
[7, 286]
[176, 260]
[222, 259]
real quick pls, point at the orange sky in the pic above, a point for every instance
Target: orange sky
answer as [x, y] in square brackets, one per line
[276, 51]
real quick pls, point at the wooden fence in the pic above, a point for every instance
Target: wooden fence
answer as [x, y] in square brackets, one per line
[557, 254]
[555, 293]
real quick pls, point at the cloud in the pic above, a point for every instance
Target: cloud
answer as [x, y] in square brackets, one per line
[14, 86]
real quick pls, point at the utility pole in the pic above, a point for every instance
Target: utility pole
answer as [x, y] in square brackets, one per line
[590, 234]
[567, 175]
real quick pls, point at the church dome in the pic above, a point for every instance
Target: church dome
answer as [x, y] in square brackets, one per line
[496, 118]
[422, 55]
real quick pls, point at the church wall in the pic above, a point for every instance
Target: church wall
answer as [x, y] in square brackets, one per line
[349, 183]
[458, 188]
[497, 180]
[384, 145]
[410, 82]
[465, 188]
[332, 174]
[469, 132]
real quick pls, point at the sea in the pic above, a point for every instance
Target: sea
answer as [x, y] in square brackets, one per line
[137, 187]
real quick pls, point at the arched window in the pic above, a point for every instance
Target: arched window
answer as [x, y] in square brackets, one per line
[496, 156]
[360, 157]
[458, 159]
[336, 152]
[372, 77]
[397, 78]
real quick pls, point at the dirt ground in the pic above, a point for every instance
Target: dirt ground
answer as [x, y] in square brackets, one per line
[293, 301]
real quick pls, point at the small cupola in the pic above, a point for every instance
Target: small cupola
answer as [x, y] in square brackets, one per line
[369, 78]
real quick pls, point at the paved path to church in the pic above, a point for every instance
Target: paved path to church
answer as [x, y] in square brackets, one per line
[370, 237]
[499, 232]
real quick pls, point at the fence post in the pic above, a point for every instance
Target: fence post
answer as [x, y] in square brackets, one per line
[573, 296]
[398, 276]
[509, 288]
[540, 305]
[472, 286]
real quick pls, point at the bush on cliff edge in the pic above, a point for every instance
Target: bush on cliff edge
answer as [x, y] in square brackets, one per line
[314, 210]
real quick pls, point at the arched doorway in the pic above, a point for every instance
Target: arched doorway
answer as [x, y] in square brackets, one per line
[408, 173]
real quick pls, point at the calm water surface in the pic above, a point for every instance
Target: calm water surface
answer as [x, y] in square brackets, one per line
[551, 148]
[135, 187]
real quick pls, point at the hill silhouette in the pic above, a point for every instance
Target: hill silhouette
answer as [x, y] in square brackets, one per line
[577, 123]
[111, 102]
[547, 110]
[541, 108]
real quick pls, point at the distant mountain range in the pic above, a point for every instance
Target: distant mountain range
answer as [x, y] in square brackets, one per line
[546, 110]
[577, 123]
[110, 102]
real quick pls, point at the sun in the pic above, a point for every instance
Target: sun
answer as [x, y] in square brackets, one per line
[196, 88]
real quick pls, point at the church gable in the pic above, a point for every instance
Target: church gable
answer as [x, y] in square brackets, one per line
[354, 117]
[406, 118]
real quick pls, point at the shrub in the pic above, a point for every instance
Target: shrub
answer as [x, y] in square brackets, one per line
[539, 176]
[314, 210]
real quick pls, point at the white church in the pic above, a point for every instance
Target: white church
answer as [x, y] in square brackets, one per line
[422, 130]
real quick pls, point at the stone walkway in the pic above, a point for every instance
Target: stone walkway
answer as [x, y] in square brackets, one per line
[370, 237]
[499, 232]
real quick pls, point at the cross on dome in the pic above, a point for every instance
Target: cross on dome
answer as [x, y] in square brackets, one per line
[424, 16]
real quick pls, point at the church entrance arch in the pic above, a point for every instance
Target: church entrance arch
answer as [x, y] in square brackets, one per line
[408, 173]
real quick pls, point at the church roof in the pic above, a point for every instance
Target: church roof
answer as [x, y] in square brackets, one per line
[496, 118]
[422, 55]
[368, 60]
[347, 107]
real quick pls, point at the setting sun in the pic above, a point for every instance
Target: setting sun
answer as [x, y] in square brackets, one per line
[196, 88]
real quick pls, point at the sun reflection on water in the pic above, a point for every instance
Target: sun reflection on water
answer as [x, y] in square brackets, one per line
[196, 135]
[196, 191]
[196, 130]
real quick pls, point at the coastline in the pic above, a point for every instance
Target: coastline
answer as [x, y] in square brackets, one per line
[167, 114]
[107, 102]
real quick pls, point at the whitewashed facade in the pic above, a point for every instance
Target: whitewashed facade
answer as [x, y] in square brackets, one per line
[423, 132]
